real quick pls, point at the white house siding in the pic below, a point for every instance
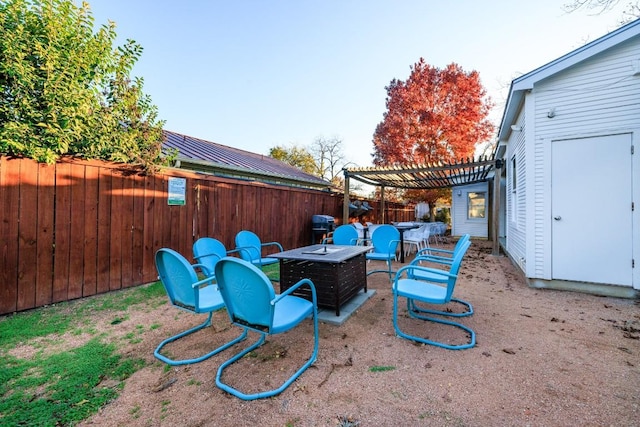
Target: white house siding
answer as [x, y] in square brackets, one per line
[515, 203]
[460, 223]
[597, 97]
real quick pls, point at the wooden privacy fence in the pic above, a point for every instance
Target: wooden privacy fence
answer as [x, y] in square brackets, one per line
[79, 228]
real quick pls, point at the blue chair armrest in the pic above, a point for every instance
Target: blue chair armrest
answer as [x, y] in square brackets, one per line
[433, 258]
[296, 286]
[204, 269]
[446, 251]
[207, 281]
[445, 274]
[273, 244]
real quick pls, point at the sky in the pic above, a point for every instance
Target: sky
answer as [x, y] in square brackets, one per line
[255, 74]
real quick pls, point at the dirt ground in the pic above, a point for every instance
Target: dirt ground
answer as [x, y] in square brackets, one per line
[543, 358]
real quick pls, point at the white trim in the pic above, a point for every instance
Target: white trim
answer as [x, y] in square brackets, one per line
[530, 182]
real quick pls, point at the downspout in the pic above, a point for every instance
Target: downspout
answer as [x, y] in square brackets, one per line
[495, 208]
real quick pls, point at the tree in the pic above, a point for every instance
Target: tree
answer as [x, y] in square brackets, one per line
[66, 90]
[436, 115]
[328, 156]
[298, 157]
[631, 12]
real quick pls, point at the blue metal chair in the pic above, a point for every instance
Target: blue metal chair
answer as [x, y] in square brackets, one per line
[345, 234]
[429, 275]
[385, 240]
[253, 304]
[431, 286]
[187, 293]
[442, 256]
[207, 251]
[249, 247]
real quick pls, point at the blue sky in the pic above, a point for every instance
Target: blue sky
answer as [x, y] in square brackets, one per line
[253, 74]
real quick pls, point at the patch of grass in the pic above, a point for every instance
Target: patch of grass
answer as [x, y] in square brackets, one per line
[272, 271]
[381, 368]
[22, 327]
[67, 386]
[62, 388]
[121, 300]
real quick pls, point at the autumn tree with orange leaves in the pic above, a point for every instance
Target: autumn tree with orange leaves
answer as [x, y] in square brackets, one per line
[436, 115]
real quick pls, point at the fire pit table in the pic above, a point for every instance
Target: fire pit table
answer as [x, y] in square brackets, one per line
[338, 272]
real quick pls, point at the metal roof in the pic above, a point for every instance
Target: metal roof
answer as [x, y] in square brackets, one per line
[207, 156]
[425, 177]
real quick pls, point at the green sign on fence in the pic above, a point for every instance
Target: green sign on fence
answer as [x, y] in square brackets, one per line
[177, 191]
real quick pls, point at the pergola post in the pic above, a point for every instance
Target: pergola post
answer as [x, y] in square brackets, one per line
[382, 207]
[345, 206]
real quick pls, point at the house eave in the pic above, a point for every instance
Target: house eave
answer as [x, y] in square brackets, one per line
[228, 171]
[527, 82]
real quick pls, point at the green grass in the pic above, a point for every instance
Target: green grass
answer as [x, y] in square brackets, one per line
[63, 387]
[272, 271]
[381, 368]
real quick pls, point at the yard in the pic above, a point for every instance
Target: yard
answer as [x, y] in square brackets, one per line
[542, 358]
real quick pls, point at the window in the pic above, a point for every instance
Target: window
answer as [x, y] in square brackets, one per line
[476, 205]
[514, 175]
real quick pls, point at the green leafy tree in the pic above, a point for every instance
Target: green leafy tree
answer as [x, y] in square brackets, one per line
[298, 157]
[67, 90]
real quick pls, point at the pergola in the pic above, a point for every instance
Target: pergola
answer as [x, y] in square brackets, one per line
[428, 177]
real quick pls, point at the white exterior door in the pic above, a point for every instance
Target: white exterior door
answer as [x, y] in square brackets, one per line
[591, 209]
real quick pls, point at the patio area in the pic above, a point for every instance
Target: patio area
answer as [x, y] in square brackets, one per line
[542, 358]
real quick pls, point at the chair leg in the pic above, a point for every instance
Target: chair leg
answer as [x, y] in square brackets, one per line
[400, 333]
[177, 362]
[468, 310]
[388, 271]
[287, 383]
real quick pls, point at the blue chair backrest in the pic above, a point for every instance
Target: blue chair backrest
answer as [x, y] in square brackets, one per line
[381, 238]
[251, 243]
[464, 238]
[345, 234]
[455, 267]
[247, 293]
[208, 251]
[177, 276]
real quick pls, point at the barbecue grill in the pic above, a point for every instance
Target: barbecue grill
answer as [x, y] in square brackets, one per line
[321, 225]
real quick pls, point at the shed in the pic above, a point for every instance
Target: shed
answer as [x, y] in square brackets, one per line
[571, 176]
[470, 210]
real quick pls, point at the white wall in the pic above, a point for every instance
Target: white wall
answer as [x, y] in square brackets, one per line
[597, 97]
[460, 223]
[515, 202]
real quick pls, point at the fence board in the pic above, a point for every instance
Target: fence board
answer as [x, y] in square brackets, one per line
[138, 226]
[27, 234]
[76, 184]
[90, 253]
[10, 196]
[104, 229]
[115, 242]
[127, 231]
[44, 263]
[62, 233]
[148, 267]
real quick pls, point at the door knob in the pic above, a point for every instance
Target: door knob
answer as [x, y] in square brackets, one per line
[557, 218]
